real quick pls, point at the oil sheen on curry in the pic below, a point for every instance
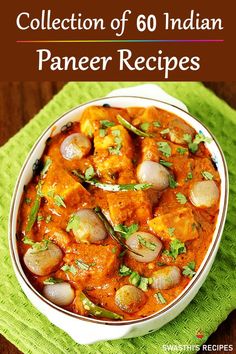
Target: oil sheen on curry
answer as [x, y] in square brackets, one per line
[120, 212]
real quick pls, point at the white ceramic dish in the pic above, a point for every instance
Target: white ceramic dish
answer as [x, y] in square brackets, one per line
[86, 330]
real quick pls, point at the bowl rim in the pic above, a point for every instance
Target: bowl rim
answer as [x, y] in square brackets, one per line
[193, 281]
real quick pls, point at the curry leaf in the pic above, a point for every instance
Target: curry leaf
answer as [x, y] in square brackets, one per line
[131, 127]
[115, 235]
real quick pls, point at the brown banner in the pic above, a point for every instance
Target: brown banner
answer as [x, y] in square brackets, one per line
[200, 47]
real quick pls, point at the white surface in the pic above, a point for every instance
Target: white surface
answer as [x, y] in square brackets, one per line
[154, 92]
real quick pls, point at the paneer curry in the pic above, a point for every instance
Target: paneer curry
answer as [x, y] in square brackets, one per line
[120, 212]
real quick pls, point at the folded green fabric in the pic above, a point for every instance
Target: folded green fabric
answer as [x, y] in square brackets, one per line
[28, 329]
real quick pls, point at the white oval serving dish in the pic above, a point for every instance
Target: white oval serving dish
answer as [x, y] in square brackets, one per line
[87, 330]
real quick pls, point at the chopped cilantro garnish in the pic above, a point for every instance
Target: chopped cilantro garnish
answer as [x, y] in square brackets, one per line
[59, 201]
[89, 173]
[73, 223]
[115, 132]
[115, 150]
[150, 245]
[68, 268]
[114, 249]
[181, 198]
[102, 133]
[126, 231]
[189, 176]
[187, 138]
[207, 175]
[27, 241]
[182, 151]
[135, 278]
[82, 265]
[124, 270]
[143, 284]
[160, 298]
[144, 126]
[40, 217]
[48, 219]
[36, 246]
[188, 270]
[106, 123]
[28, 200]
[165, 131]
[199, 138]
[171, 231]
[165, 163]
[52, 280]
[176, 247]
[51, 192]
[172, 182]
[165, 148]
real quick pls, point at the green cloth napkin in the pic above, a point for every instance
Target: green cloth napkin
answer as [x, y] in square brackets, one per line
[28, 329]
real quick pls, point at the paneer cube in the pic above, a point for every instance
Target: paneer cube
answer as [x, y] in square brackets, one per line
[149, 150]
[205, 165]
[129, 206]
[182, 168]
[113, 156]
[91, 117]
[103, 263]
[179, 223]
[59, 185]
[115, 169]
[115, 142]
[150, 114]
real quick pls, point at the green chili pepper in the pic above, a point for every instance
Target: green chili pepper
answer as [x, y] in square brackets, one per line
[34, 210]
[97, 310]
[36, 205]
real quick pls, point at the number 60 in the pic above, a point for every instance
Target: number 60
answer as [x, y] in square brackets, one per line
[149, 23]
